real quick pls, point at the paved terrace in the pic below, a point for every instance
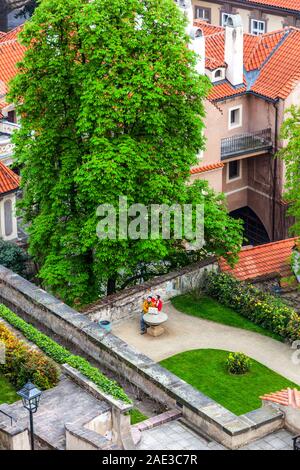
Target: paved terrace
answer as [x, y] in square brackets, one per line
[184, 333]
[176, 436]
[65, 403]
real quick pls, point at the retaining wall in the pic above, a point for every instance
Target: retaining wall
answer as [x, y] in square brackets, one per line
[128, 303]
[201, 412]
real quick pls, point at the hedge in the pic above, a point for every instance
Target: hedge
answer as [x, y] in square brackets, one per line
[23, 363]
[62, 356]
[260, 307]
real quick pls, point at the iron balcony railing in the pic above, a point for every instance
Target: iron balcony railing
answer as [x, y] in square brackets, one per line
[246, 143]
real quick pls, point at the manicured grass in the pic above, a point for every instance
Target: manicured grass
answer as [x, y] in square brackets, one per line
[136, 416]
[7, 391]
[211, 309]
[205, 369]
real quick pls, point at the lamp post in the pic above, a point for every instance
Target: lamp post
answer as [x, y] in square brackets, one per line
[30, 395]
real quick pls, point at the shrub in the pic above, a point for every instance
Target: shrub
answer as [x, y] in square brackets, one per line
[238, 363]
[61, 355]
[260, 307]
[23, 363]
[13, 257]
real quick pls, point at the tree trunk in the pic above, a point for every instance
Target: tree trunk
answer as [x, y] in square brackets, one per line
[111, 285]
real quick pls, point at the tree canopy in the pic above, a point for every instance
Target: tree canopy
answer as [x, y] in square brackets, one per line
[290, 154]
[111, 105]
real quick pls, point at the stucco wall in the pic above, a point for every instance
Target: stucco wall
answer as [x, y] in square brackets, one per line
[273, 21]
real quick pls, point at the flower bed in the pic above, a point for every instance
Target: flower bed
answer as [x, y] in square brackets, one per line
[260, 307]
[23, 363]
[62, 356]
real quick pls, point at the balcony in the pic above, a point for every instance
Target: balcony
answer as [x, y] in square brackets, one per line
[8, 127]
[6, 146]
[242, 144]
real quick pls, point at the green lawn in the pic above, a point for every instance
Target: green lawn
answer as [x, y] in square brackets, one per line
[136, 416]
[211, 309]
[7, 392]
[205, 369]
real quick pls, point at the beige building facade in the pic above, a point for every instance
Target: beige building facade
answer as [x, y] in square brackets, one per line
[255, 79]
[250, 178]
[256, 18]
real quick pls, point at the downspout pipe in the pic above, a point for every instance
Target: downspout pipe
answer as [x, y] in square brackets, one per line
[275, 175]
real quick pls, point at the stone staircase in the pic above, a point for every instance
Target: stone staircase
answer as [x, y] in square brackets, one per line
[155, 421]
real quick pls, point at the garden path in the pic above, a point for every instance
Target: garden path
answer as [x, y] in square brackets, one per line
[184, 333]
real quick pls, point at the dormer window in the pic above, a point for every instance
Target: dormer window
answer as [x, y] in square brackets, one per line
[218, 74]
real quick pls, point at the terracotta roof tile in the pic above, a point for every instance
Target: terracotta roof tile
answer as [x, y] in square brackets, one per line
[11, 52]
[260, 48]
[224, 90]
[285, 4]
[12, 35]
[214, 44]
[214, 51]
[202, 169]
[282, 71]
[271, 62]
[287, 397]
[262, 260]
[9, 181]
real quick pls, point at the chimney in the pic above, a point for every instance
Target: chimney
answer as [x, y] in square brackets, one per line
[234, 49]
[197, 44]
[187, 9]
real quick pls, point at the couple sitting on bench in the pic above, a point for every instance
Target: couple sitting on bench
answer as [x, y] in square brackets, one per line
[150, 302]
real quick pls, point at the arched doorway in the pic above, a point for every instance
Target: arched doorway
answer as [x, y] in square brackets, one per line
[254, 230]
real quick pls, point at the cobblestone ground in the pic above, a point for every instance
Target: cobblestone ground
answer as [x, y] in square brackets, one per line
[176, 436]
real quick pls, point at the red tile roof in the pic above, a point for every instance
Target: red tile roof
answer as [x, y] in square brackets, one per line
[282, 71]
[202, 169]
[224, 90]
[11, 52]
[271, 62]
[9, 181]
[287, 397]
[214, 44]
[262, 260]
[260, 48]
[285, 4]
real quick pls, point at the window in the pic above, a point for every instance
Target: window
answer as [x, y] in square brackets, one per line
[224, 18]
[235, 117]
[11, 116]
[234, 170]
[217, 75]
[258, 27]
[8, 221]
[202, 13]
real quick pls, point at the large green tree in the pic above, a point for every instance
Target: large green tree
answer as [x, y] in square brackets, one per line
[111, 106]
[290, 154]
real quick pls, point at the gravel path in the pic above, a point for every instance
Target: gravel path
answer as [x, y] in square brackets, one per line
[184, 332]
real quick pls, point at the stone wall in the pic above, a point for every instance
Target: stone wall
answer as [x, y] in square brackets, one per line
[128, 303]
[288, 293]
[13, 437]
[201, 412]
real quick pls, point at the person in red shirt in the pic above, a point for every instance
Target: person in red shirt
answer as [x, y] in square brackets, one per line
[159, 303]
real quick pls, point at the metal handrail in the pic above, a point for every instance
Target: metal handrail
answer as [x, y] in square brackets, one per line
[12, 419]
[245, 143]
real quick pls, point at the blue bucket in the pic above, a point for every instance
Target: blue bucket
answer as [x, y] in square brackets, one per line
[105, 324]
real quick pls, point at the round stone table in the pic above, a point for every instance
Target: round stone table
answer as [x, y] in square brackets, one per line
[155, 323]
